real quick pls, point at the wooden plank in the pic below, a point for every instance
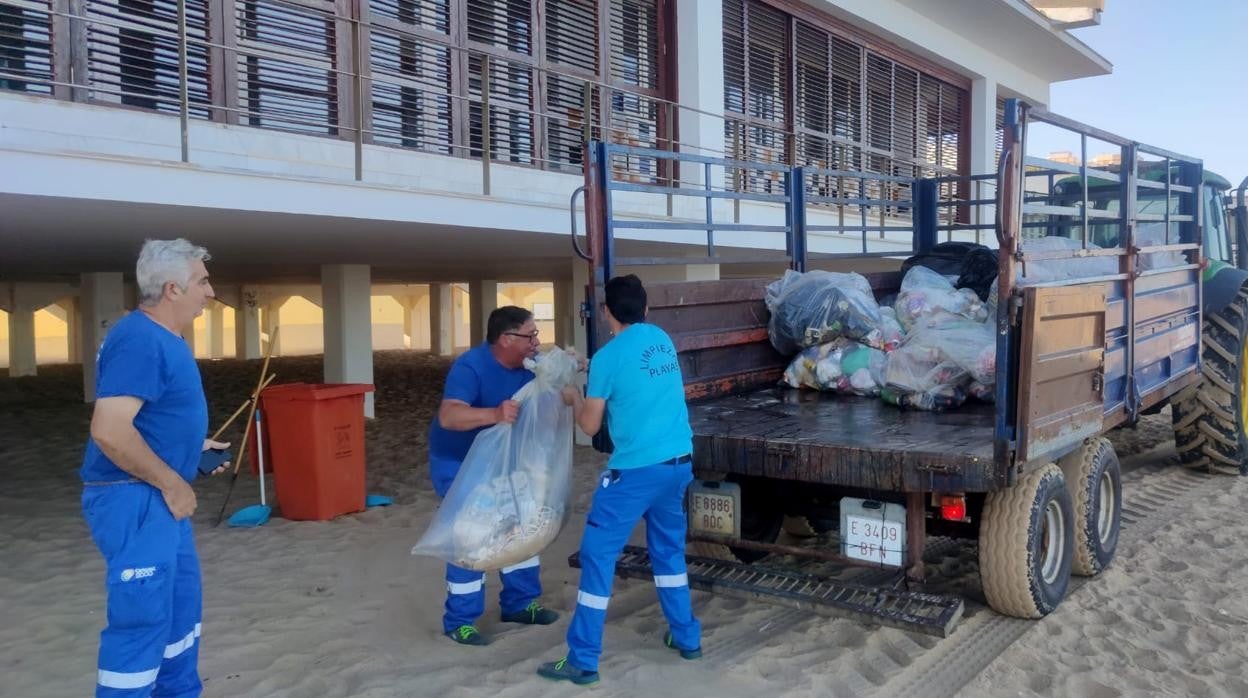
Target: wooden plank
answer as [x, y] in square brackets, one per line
[1061, 369]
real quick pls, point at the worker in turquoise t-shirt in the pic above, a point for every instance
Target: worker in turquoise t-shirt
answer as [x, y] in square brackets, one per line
[635, 379]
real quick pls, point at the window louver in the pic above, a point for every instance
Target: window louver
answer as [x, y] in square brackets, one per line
[571, 50]
[132, 50]
[853, 109]
[634, 64]
[26, 48]
[297, 91]
[411, 77]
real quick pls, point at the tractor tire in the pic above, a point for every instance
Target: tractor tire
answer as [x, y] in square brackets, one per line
[1094, 478]
[1026, 542]
[1209, 418]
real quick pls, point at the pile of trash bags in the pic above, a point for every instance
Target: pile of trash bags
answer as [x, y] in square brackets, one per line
[932, 349]
[510, 498]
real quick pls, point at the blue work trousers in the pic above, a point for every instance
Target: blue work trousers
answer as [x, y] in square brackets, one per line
[150, 646]
[655, 493]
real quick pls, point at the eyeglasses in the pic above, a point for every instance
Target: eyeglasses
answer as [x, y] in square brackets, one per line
[532, 337]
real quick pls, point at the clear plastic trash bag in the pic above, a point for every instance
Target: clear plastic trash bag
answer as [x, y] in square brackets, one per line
[927, 297]
[510, 497]
[842, 366]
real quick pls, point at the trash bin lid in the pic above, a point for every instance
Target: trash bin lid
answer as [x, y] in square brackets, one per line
[315, 391]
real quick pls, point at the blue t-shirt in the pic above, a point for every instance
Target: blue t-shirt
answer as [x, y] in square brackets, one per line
[638, 374]
[476, 378]
[140, 358]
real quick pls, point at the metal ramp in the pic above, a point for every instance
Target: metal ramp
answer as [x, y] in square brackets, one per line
[931, 614]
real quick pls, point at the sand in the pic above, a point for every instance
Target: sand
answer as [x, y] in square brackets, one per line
[341, 609]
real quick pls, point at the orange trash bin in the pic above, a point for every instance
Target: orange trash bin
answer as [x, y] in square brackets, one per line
[315, 433]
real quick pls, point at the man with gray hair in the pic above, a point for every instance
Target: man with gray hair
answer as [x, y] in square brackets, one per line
[147, 437]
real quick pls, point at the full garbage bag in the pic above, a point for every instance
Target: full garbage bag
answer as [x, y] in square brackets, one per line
[940, 364]
[510, 497]
[819, 306]
[843, 366]
[927, 297]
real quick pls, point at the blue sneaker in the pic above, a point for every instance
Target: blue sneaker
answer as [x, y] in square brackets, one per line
[563, 670]
[468, 635]
[533, 614]
[695, 653]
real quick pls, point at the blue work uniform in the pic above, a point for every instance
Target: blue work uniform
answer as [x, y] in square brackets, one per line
[638, 375]
[478, 379]
[151, 643]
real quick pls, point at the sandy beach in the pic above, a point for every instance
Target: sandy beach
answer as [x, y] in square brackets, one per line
[340, 608]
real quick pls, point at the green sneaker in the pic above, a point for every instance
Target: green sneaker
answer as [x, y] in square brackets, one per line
[695, 653]
[562, 670]
[533, 614]
[468, 635]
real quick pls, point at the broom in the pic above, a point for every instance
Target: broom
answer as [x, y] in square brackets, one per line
[255, 400]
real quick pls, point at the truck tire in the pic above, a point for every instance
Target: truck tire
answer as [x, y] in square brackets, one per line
[1026, 543]
[761, 521]
[1094, 478]
[1209, 418]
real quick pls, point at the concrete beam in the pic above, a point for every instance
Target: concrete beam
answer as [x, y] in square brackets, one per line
[441, 319]
[482, 300]
[102, 304]
[348, 326]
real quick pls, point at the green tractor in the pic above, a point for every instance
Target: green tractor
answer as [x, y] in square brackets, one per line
[1210, 418]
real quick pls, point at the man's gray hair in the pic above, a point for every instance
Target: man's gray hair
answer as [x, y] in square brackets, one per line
[163, 261]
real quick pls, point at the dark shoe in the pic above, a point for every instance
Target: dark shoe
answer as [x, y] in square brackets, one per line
[695, 653]
[468, 635]
[564, 671]
[533, 614]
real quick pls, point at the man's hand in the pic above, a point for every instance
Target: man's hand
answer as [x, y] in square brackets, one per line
[581, 363]
[571, 395]
[506, 412]
[208, 444]
[179, 497]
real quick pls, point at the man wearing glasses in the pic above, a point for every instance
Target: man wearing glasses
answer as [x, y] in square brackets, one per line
[477, 396]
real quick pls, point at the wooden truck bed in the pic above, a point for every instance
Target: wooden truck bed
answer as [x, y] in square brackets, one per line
[850, 441]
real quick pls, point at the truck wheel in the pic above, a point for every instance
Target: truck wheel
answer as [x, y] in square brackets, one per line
[1026, 542]
[1209, 418]
[1094, 479]
[761, 521]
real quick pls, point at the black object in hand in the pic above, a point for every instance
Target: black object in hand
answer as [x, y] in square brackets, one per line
[212, 459]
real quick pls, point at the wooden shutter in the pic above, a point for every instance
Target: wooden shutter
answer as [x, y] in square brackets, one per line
[757, 64]
[505, 29]
[26, 48]
[634, 65]
[132, 50]
[293, 86]
[572, 50]
[411, 76]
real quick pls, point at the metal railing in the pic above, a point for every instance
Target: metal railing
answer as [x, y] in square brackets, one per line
[302, 67]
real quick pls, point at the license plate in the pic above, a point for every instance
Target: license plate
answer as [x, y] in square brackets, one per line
[873, 540]
[714, 509]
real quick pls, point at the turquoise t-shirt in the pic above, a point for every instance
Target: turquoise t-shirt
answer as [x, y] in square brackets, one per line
[638, 374]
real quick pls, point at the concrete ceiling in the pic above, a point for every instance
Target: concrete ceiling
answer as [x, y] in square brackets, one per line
[51, 238]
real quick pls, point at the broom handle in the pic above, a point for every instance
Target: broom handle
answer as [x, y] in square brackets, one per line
[240, 409]
[255, 402]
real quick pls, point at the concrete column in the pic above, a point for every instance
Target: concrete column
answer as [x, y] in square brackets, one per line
[346, 294]
[272, 321]
[22, 343]
[102, 301]
[482, 299]
[565, 312]
[215, 320]
[700, 74]
[983, 150]
[247, 324]
[416, 319]
[441, 319]
[188, 335]
[73, 329]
